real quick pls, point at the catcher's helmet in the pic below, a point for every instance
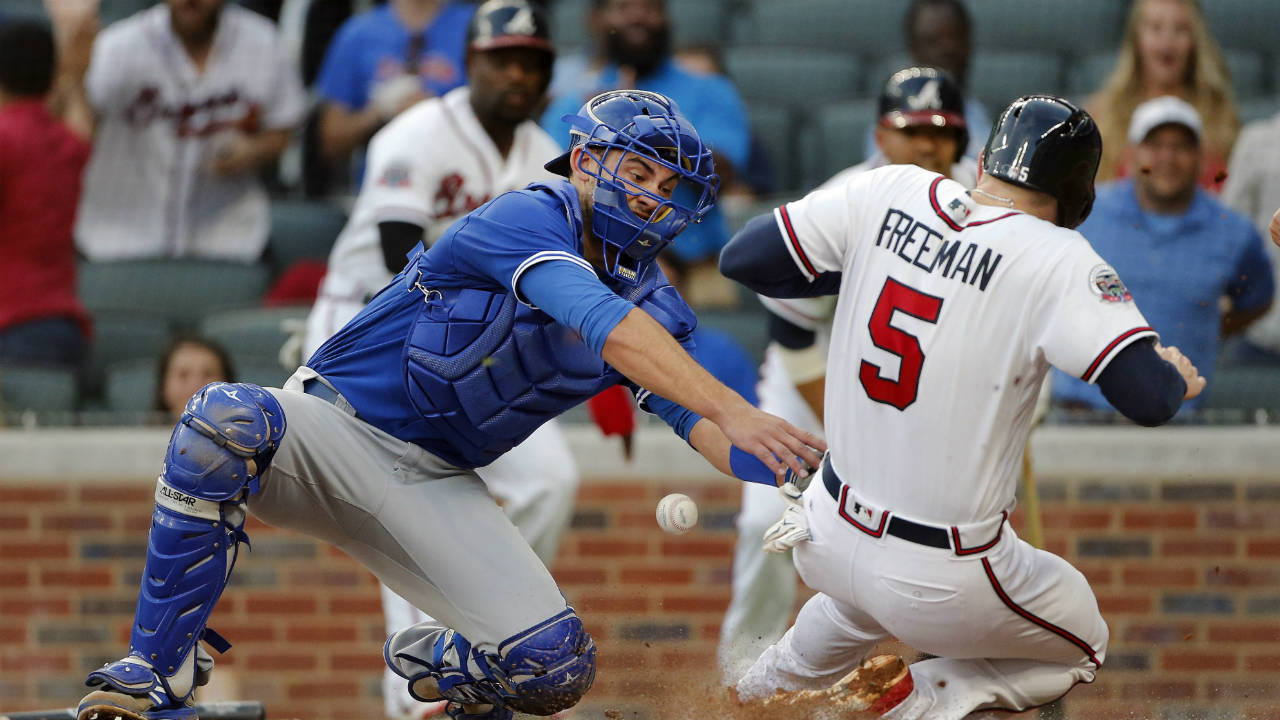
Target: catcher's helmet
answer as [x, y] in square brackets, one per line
[1045, 143]
[924, 96]
[509, 23]
[649, 125]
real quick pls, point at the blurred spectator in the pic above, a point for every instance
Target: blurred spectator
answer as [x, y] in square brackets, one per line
[41, 160]
[921, 122]
[1253, 188]
[191, 98]
[633, 49]
[186, 365]
[485, 142]
[1184, 255]
[1167, 50]
[939, 33]
[384, 61]
[756, 177]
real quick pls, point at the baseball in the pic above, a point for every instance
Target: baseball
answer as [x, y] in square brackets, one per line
[677, 513]
[1275, 228]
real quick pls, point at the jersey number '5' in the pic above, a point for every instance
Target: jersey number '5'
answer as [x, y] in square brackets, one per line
[894, 295]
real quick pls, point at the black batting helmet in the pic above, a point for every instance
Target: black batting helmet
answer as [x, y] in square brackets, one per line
[509, 23]
[924, 96]
[1045, 143]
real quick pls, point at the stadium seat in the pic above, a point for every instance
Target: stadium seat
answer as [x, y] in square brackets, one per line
[264, 371]
[131, 386]
[776, 127]
[256, 331]
[1244, 24]
[37, 388]
[1077, 26]
[1244, 388]
[1248, 73]
[793, 77]
[569, 26]
[1000, 77]
[23, 9]
[1258, 108]
[865, 27]
[300, 230]
[879, 69]
[183, 291]
[696, 22]
[113, 10]
[123, 337]
[838, 139]
[1085, 74]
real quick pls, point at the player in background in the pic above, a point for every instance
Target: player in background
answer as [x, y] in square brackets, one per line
[953, 304]
[189, 100]
[921, 122]
[434, 163]
[528, 306]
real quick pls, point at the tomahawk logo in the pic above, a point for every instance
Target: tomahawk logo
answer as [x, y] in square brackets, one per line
[927, 99]
[521, 23]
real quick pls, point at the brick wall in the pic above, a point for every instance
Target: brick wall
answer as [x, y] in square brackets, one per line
[1187, 574]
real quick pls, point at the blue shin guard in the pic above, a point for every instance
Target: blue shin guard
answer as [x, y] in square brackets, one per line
[225, 439]
[539, 671]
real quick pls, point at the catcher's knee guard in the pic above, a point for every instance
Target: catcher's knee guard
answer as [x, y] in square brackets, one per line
[226, 437]
[540, 671]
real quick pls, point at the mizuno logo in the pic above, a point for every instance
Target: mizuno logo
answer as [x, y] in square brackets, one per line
[231, 394]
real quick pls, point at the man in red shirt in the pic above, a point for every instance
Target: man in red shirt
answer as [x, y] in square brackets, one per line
[41, 160]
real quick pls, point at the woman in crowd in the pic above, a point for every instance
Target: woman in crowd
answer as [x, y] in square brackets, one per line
[186, 365]
[1167, 50]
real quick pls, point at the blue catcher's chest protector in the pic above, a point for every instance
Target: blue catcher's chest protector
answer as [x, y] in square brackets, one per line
[482, 370]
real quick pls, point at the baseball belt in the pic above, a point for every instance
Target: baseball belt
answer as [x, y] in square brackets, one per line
[320, 388]
[902, 528]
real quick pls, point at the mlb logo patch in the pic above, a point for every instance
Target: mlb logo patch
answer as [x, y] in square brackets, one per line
[1105, 282]
[395, 176]
[958, 210]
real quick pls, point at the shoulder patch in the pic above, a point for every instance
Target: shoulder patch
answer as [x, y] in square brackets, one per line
[395, 176]
[1105, 282]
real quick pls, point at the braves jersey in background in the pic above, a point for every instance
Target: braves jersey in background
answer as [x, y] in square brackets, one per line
[429, 166]
[450, 357]
[149, 190]
[937, 288]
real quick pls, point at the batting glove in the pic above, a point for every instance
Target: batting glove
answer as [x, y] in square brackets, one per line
[793, 528]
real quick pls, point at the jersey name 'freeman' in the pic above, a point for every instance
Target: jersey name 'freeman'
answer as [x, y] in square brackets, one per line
[924, 247]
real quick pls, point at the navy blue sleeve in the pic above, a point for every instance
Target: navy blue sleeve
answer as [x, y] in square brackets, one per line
[575, 298]
[1142, 385]
[757, 257]
[398, 239]
[789, 335]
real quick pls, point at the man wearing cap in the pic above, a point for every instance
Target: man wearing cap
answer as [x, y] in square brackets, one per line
[1183, 254]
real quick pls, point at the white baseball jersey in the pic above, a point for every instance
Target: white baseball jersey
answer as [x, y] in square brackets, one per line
[778, 394]
[937, 288]
[429, 166]
[149, 190]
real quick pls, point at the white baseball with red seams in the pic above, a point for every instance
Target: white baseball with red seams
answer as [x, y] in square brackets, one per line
[677, 513]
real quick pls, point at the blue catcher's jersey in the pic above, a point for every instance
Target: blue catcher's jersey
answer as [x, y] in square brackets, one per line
[449, 357]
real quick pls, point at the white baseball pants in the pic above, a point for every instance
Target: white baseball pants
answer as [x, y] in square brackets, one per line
[1014, 627]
